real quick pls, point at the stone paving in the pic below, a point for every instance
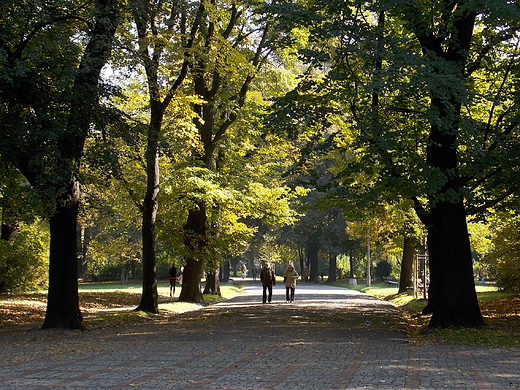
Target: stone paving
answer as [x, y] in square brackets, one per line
[329, 338]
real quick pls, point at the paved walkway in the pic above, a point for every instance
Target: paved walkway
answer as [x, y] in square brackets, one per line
[329, 338]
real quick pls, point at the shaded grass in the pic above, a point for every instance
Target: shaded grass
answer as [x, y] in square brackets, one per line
[103, 305]
[501, 312]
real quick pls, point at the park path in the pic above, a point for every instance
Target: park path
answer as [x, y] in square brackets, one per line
[329, 338]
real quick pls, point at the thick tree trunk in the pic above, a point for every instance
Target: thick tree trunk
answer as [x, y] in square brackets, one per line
[405, 278]
[8, 232]
[212, 284]
[63, 299]
[149, 296]
[191, 282]
[452, 298]
[195, 243]
[225, 272]
[332, 268]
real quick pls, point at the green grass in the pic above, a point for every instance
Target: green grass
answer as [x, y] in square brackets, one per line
[163, 288]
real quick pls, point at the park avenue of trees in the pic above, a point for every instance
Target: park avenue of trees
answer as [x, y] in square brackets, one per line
[141, 133]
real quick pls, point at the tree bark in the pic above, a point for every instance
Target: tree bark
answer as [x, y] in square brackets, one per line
[84, 237]
[63, 298]
[212, 284]
[312, 256]
[224, 272]
[405, 279]
[452, 298]
[8, 232]
[149, 296]
[195, 243]
[332, 268]
[352, 264]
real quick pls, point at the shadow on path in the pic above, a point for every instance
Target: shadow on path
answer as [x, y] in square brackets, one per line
[330, 338]
[319, 312]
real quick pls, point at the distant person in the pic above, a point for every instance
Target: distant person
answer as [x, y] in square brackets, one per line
[253, 272]
[180, 276]
[290, 277]
[244, 271]
[173, 279]
[268, 281]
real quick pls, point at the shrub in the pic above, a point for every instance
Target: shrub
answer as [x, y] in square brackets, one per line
[383, 268]
[24, 261]
[505, 255]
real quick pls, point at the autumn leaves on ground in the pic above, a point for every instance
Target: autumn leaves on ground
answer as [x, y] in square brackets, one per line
[502, 316]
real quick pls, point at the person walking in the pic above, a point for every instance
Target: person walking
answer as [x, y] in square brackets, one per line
[173, 279]
[290, 277]
[268, 281]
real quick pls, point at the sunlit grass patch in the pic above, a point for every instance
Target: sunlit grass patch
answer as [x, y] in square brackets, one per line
[109, 320]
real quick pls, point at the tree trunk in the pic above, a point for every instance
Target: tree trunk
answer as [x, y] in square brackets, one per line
[190, 291]
[352, 264]
[8, 232]
[405, 279]
[62, 298]
[195, 243]
[149, 297]
[250, 256]
[312, 256]
[84, 236]
[212, 284]
[452, 298]
[225, 272]
[9, 226]
[332, 268]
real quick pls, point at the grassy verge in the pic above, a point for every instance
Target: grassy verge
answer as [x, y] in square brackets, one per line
[103, 304]
[501, 313]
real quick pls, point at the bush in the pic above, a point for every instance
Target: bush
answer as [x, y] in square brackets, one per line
[383, 268]
[24, 261]
[505, 256]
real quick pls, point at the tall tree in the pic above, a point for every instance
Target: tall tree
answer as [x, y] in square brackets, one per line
[423, 119]
[50, 91]
[165, 36]
[233, 44]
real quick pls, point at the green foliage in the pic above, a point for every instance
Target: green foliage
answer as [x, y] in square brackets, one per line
[505, 255]
[383, 268]
[24, 261]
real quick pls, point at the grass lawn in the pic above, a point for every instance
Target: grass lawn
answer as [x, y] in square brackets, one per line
[103, 304]
[501, 313]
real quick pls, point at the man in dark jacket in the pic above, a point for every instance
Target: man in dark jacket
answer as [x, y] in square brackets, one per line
[268, 281]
